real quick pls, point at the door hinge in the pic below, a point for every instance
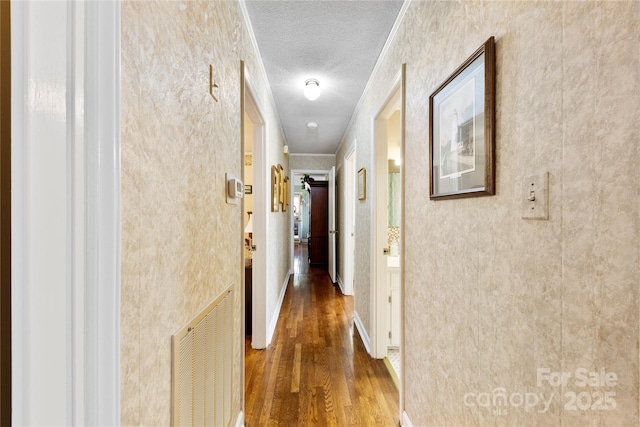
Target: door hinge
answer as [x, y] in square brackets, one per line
[389, 334]
[389, 299]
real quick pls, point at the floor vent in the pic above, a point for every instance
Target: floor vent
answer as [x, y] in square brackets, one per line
[201, 364]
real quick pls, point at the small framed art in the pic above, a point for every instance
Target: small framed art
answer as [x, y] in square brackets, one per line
[275, 189]
[362, 184]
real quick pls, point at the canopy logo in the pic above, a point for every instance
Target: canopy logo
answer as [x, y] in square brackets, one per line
[576, 395]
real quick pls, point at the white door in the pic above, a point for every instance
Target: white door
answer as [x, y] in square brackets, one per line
[394, 307]
[349, 228]
[332, 224]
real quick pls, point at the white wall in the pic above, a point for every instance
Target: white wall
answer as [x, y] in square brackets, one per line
[311, 162]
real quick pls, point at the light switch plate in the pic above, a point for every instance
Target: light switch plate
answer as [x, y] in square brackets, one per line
[535, 187]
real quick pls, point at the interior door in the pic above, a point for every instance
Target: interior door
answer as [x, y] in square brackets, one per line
[332, 224]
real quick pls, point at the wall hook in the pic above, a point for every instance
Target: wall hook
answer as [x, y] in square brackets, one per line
[212, 85]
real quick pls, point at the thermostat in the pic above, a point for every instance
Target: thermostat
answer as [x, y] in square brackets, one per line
[235, 189]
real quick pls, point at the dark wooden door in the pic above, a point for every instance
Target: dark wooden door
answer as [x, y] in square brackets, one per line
[319, 223]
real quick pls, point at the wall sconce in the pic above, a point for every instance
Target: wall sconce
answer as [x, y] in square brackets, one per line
[312, 89]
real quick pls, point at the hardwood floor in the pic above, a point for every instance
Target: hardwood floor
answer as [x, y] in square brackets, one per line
[317, 371]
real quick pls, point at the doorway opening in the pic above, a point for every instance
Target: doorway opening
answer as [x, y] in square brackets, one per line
[254, 224]
[388, 214]
[350, 221]
[304, 217]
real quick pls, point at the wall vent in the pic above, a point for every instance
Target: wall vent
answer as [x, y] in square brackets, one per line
[201, 364]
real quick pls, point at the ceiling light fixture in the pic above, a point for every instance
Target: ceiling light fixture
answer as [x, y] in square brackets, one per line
[312, 89]
[312, 125]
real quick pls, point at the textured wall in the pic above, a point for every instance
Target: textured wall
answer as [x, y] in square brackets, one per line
[181, 243]
[491, 298]
[311, 162]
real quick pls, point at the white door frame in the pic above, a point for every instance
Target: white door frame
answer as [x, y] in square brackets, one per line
[331, 206]
[349, 223]
[260, 216]
[75, 54]
[379, 222]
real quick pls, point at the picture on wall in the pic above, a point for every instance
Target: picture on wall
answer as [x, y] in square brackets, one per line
[362, 184]
[286, 194]
[461, 129]
[281, 186]
[275, 189]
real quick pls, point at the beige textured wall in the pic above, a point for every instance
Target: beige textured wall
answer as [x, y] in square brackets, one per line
[311, 162]
[279, 227]
[181, 243]
[489, 297]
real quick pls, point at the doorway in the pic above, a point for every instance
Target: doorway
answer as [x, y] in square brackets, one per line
[387, 252]
[255, 201]
[304, 215]
[350, 220]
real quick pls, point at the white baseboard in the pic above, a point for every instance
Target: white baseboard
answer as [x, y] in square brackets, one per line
[405, 421]
[240, 420]
[276, 312]
[340, 283]
[363, 332]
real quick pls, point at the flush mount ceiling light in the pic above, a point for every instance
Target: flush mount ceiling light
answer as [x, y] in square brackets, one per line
[312, 89]
[312, 125]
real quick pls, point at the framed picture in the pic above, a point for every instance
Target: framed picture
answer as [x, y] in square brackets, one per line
[462, 129]
[285, 192]
[275, 188]
[281, 186]
[362, 184]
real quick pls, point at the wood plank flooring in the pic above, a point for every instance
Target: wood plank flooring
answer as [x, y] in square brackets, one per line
[316, 371]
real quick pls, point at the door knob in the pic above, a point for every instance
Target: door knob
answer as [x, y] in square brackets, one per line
[386, 251]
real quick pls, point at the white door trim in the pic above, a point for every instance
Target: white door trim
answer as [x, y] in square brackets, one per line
[259, 324]
[19, 185]
[379, 222]
[89, 236]
[331, 267]
[102, 104]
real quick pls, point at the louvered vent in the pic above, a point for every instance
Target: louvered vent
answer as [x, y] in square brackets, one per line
[202, 355]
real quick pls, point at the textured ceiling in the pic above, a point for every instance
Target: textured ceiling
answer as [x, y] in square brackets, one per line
[335, 42]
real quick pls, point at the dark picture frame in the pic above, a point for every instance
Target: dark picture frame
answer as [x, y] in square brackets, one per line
[462, 129]
[362, 184]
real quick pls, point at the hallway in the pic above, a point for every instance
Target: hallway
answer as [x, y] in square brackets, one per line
[316, 371]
